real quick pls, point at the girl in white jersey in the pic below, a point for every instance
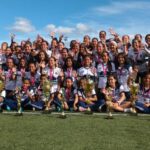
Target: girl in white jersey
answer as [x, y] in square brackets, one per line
[104, 69]
[123, 70]
[87, 70]
[55, 76]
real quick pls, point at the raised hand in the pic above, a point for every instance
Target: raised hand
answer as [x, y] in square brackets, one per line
[52, 34]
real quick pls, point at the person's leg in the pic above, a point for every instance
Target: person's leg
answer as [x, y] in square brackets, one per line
[12, 104]
[38, 104]
[118, 107]
[126, 104]
[82, 106]
[65, 106]
[57, 103]
[70, 105]
[99, 105]
[140, 106]
[115, 106]
[128, 95]
[1, 103]
[25, 102]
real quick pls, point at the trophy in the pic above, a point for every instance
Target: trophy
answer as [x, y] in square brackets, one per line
[63, 100]
[89, 86]
[134, 89]
[19, 108]
[109, 105]
[46, 92]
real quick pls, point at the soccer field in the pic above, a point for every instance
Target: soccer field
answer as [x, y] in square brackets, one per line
[76, 132]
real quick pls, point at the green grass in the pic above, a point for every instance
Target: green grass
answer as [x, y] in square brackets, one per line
[48, 132]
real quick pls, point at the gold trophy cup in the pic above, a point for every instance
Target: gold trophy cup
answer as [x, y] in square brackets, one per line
[89, 86]
[46, 92]
[109, 106]
[63, 100]
[19, 108]
[134, 89]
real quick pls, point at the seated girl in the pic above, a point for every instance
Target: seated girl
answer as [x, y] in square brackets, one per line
[86, 95]
[29, 99]
[143, 97]
[68, 95]
[116, 94]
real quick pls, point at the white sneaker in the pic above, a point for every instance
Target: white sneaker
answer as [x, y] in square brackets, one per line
[132, 110]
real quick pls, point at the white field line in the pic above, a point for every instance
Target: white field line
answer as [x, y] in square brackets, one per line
[73, 114]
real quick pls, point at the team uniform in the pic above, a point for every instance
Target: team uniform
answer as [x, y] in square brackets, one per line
[88, 72]
[122, 76]
[21, 74]
[103, 71]
[143, 97]
[68, 95]
[34, 79]
[115, 93]
[53, 76]
[71, 73]
[83, 103]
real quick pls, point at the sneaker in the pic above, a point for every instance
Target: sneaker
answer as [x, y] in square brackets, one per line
[8, 108]
[52, 108]
[132, 110]
[81, 109]
[58, 109]
[47, 108]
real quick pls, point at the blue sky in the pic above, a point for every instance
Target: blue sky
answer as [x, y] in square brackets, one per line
[73, 18]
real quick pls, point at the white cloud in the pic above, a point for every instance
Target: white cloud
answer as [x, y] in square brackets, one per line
[51, 27]
[59, 29]
[79, 28]
[22, 25]
[120, 7]
[82, 28]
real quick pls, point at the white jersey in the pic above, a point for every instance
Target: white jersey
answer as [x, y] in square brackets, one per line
[53, 75]
[122, 76]
[103, 71]
[87, 71]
